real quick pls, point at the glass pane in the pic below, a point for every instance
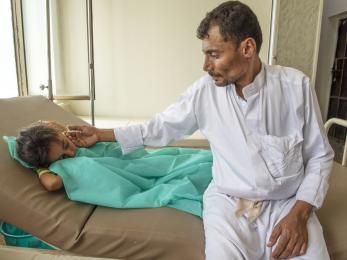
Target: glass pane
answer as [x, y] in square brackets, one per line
[337, 77]
[69, 48]
[333, 107]
[8, 76]
[340, 131]
[342, 109]
[341, 42]
[344, 80]
[35, 37]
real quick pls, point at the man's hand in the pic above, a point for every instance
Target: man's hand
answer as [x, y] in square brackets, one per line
[86, 135]
[83, 136]
[291, 232]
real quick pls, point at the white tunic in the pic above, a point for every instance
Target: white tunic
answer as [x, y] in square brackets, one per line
[272, 147]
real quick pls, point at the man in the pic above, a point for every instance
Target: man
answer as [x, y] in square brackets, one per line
[271, 156]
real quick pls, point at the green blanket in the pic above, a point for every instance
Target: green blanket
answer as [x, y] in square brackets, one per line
[101, 175]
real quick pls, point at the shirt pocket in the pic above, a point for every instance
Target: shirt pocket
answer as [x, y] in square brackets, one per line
[282, 155]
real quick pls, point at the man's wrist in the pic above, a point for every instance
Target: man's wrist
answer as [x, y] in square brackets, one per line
[105, 135]
[302, 209]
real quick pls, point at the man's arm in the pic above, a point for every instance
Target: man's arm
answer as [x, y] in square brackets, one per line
[291, 231]
[177, 121]
[317, 153]
[106, 135]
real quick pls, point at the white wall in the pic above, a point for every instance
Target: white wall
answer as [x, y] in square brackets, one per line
[147, 54]
[333, 11]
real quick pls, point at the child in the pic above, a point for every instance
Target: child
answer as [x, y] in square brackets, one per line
[41, 144]
[102, 175]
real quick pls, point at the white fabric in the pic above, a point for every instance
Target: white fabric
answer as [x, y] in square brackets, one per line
[272, 147]
[240, 102]
[248, 208]
[232, 238]
[274, 150]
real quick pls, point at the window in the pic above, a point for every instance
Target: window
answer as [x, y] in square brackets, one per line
[8, 74]
[338, 94]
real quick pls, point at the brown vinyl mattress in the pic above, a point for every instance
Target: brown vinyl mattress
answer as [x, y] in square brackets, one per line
[162, 233]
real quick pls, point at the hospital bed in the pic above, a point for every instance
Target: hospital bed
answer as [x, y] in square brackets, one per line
[88, 230]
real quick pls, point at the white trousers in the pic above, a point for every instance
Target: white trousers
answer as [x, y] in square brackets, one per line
[228, 237]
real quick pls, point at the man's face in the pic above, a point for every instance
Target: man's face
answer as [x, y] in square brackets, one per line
[223, 61]
[61, 149]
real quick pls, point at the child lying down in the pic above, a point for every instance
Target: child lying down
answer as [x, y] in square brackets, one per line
[101, 175]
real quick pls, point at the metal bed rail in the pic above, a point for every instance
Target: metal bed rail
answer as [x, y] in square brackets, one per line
[340, 122]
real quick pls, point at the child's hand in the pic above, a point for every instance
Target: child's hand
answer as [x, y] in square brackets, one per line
[83, 136]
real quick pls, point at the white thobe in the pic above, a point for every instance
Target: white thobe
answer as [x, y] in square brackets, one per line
[273, 147]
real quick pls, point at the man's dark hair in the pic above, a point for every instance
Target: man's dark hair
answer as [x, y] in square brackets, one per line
[236, 22]
[33, 144]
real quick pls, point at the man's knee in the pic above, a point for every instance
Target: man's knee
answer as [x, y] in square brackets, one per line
[218, 246]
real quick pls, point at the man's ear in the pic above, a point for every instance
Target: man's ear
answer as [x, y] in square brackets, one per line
[248, 47]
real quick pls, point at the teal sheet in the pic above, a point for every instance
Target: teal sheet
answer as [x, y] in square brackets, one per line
[101, 175]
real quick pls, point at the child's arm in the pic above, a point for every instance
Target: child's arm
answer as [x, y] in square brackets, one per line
[49, 180]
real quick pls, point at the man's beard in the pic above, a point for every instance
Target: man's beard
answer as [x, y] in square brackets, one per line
[224, 83]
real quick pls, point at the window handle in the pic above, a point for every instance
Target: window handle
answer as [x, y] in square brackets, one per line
[42, 87]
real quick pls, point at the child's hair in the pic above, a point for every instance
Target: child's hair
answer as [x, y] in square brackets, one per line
[33, 144]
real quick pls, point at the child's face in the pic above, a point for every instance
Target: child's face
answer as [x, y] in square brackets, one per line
[63, 148]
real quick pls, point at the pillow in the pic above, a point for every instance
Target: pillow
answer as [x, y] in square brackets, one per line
[12, 143]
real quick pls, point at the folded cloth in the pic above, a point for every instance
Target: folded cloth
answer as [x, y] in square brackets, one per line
[101, 175]
[250, 209]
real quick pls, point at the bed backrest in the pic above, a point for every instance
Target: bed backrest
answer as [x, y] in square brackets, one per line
[161, 233]
[23, 201]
